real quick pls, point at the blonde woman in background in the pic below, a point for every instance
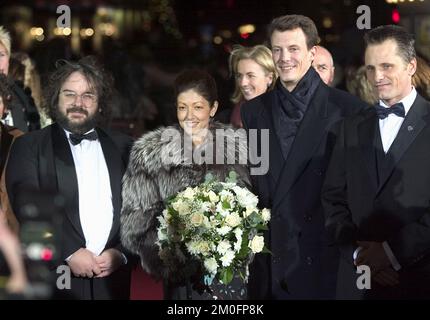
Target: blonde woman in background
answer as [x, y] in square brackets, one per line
[421, 78]
[358, 85]
[255, 73]
[30, 78]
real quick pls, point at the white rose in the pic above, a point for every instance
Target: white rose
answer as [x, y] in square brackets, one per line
[256, 244]
[233, 219]
[213, 197]
[198, 247]
[211, 265]
[176, 204]
[197, 219]
[240, 195]
[250, 200]
[203, 247]
[265, 214]
[188, 193]
[206, 222]
[248, 211]
[181, 207]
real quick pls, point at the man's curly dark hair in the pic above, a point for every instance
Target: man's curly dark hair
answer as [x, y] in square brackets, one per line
[98, 79]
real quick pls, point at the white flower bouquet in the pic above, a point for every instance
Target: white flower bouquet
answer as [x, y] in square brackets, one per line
[216, 224]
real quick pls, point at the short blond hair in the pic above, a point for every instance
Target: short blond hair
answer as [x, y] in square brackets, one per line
[5, 39]
[261, 55]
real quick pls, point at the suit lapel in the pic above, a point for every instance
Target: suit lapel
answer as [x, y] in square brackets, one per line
[367, 131]
[410, 129]
[67, 180]
[115, 167]
[309, 135]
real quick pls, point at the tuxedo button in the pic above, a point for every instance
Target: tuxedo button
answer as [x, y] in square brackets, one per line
[309, 260]
[276, 260]
[308, 218]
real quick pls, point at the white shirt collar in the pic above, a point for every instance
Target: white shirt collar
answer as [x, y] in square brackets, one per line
[407, 101]
[68, 133]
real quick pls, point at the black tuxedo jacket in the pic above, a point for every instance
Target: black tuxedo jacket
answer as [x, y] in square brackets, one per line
[366, 200]
[302, 265]
[42, 160]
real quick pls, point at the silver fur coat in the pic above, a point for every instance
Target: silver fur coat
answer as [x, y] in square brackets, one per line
[150, 180]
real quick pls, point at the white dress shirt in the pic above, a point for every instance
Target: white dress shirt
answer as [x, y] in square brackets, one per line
[390, 126]
[95, 194]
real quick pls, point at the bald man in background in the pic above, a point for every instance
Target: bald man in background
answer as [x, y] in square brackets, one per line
[323, 64]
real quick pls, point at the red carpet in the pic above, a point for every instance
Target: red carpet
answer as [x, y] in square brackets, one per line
[143, 287]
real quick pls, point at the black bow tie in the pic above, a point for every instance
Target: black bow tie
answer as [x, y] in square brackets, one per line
[398, 109]
[76, 138]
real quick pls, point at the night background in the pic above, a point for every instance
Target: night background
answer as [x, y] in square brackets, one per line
[146, 43]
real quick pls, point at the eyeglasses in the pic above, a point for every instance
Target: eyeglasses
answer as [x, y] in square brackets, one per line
[86, 98]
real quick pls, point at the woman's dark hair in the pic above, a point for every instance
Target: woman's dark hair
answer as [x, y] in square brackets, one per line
[98, 79]
[16, 70]
[5, 92]
[199, 81]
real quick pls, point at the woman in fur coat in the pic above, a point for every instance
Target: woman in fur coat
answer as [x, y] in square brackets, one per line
[168, 160]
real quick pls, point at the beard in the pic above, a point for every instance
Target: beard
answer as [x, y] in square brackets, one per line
[76, 127]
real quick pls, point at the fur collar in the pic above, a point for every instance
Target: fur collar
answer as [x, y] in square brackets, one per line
[149, 152]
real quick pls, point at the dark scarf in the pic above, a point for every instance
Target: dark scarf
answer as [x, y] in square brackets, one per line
[292, 108]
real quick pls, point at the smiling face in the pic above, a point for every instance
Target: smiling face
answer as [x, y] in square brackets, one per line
[291, 56]
[194, 112]
[4, 60]
[252, 78]
[389, 74]
[77, 104]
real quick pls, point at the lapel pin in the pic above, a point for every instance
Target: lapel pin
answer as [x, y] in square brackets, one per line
[410, 128]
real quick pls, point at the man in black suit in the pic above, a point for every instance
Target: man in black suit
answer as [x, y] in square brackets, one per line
[84, 164]
[300, 115]
[377, 189]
